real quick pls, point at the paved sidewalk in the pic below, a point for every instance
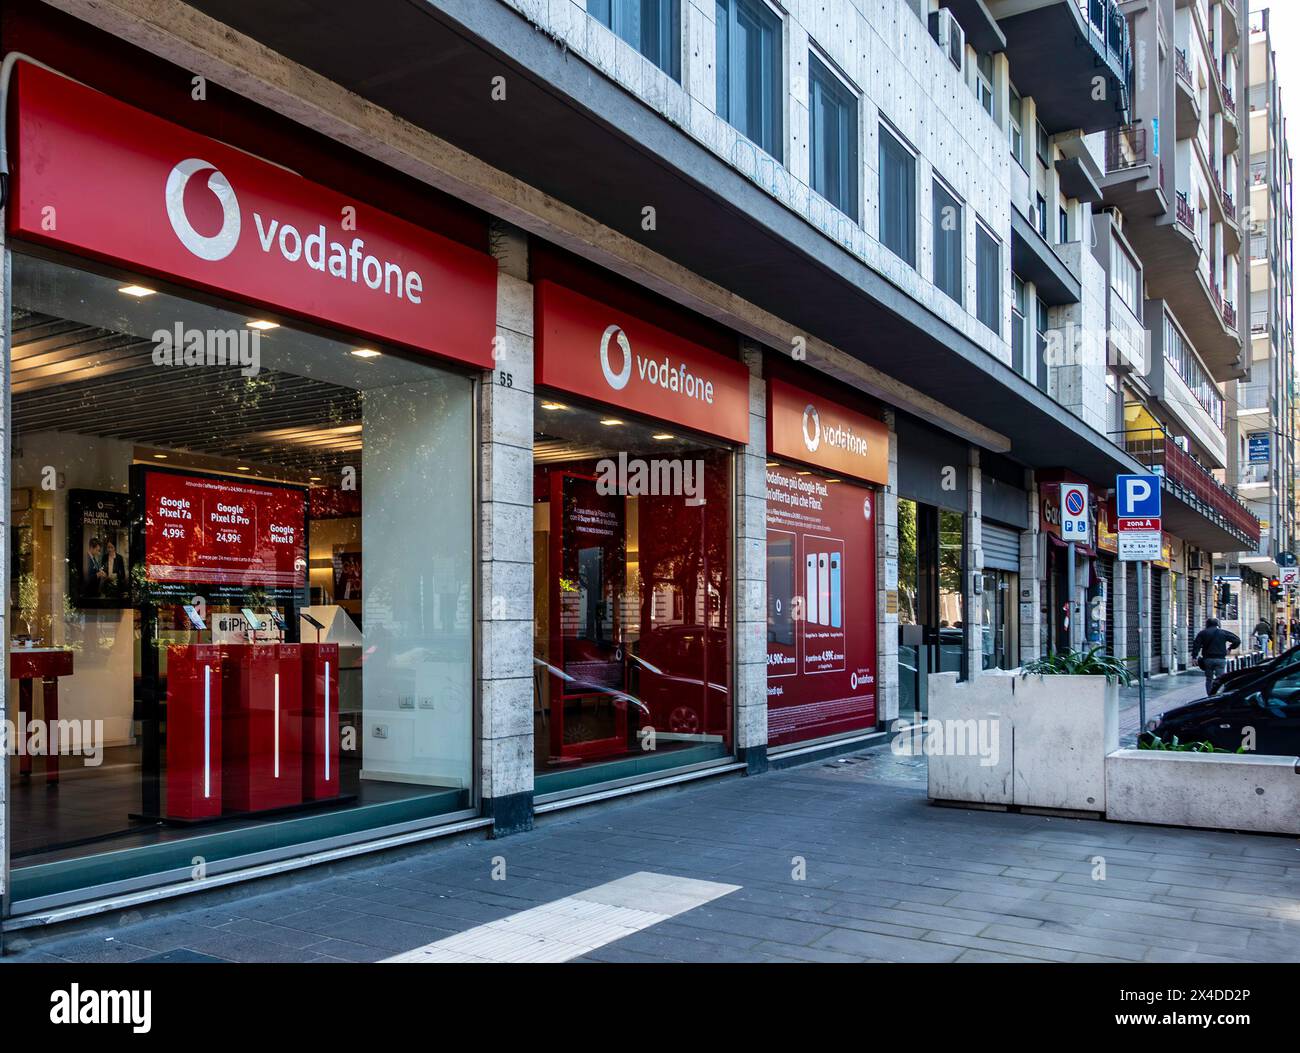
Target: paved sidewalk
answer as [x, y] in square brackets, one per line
[887, 877]
[1163, 693]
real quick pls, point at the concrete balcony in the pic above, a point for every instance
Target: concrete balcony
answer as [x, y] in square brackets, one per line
[1057, 47]
[1197, 507]
[1187, 110]
[1133, 177]
[1181, 386]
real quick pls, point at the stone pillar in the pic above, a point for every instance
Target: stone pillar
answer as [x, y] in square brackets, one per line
[973, 564]
[1031, 579]
[1182, 645]
[751, 577]
[887, 598]
[505, 637]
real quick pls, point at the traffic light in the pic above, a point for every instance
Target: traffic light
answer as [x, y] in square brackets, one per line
[1274, 590]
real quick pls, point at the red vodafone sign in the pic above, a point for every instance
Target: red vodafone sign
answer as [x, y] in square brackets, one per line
[589, 349]
[825, 434]
[100, 177]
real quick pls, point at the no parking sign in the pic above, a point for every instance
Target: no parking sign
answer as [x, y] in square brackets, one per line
[1074, 512]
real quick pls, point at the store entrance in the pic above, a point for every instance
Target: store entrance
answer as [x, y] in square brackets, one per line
[931, 619]
[244, 581]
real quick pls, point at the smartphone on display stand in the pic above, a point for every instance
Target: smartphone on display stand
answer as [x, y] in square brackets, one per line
[254, 622]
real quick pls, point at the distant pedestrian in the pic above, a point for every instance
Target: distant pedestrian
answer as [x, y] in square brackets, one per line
[1263, 632]
[1210, 650]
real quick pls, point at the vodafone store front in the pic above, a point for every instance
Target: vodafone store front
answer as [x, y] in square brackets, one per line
[821, 564]
[242, 491]
[637, 411]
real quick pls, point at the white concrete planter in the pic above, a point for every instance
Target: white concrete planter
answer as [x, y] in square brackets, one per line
[1223, 791]
[1052, 735]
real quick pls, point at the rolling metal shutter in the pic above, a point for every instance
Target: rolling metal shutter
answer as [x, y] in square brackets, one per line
[1001, 547]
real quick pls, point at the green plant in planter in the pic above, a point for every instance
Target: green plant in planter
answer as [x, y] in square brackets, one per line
[1080, 663]
[1174, 746]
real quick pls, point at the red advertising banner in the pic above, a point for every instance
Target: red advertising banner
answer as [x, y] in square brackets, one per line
[207, 530]
[590, 349]
[821, 607]
[169, 202]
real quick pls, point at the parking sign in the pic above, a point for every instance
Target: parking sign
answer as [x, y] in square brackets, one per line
[1137, 496]
[1074, 512]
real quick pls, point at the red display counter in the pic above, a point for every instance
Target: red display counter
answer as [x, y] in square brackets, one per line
[194, 731]
[46, 664]
[320, 721]
[262, 726]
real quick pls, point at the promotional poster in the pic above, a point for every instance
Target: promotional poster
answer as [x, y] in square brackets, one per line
[210, 530]
[821, 641]
[99, 528]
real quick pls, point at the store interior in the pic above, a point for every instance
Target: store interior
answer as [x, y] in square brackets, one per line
[632, 582]
[373, 449]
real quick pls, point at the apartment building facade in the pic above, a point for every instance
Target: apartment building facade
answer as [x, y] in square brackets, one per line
[1263, 432]
[645, 391]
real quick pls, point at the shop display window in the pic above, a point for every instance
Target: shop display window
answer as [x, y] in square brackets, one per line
[632, 533]
[241, 573]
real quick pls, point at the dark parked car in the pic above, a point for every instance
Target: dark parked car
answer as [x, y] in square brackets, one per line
[1233, 680]
[1269, 705]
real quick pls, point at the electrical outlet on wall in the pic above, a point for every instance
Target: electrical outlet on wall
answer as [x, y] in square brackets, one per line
[380, 731]
[426, 701]
[405, 701]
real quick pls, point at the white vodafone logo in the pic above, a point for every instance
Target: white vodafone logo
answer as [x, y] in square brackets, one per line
[617, 381]
[811, 419]
[206, 247]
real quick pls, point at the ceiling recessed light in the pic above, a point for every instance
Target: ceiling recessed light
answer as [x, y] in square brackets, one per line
[803, 473]
[243, 468]
[314, 479]
[160, 457]
[834, 480]
[366, 352]
[771, 464]
[554, 406]
[610, 422]
[138, 291]
[262, 323]
[662, 436]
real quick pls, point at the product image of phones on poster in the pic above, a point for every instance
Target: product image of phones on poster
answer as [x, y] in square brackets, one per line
[192, 613]
[836, 598]
[254, 622]
[823, 589]
[810, 590]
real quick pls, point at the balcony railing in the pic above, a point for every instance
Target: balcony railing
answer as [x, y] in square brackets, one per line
[1193, 484]
[1229, 205]
[1126, 147]
[1229, 314]
[1183, 68]
[1109, 29]
[1229, 101]
[1183, 211]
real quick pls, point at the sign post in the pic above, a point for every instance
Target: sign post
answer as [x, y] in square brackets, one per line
[1137, 514]
[1074, 528]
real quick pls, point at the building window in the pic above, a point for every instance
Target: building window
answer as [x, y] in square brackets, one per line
[984, 82]
[897, 197]
[650, 26]
[1040, 342]
[1040, 213]
[948, 229]
[1015, 126]
[749, 71]
[1124, 278]
[988, 279]
[1019, 306]
[1044, 144]
[1063, 224]
[833, 138]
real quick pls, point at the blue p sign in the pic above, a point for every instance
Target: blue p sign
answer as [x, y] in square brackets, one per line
[1137, 496]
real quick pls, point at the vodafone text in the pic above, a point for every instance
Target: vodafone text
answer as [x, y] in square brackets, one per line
[350, 263]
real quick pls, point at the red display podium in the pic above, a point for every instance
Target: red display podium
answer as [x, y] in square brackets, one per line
[320, 721]
[262, 726]
[194, 730]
